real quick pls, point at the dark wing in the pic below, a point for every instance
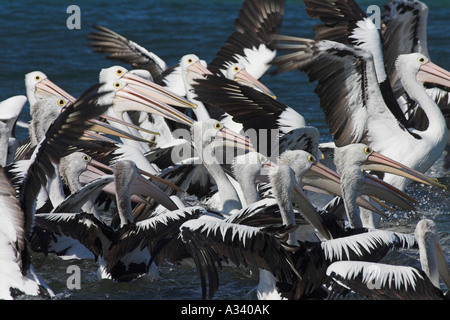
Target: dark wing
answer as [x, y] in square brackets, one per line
[209, 242]
[345, 77]
[84, 227]
[258, 113]
[339, 18]
[250, 45]
[127, 51]
[403, 31]
[384, 282]
[76, 200]
[13, 221]
[155, 233]
[58, 142]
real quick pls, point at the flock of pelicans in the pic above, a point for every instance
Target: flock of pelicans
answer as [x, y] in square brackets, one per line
[132, 172]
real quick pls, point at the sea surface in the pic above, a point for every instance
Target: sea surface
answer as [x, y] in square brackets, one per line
[34, 36]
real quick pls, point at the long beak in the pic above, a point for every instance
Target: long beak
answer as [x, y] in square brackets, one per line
[234, 139]
[322, 177]
[130, 99]
[199, 69]
[105, 128]
[126, 123]
[308, 210]
[378, 162]
[160, 180]
[145, 187]
[386, 192]
[48, 87]
[443, 269]
[245, 78]
[158, 92]
[429, 72]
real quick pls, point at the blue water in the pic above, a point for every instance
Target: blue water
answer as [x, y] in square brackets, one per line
[34, 36]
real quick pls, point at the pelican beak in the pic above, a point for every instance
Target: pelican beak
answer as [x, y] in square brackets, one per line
[46, 87]
[156, 91]
[245, 78]
[128, 98]
[431, 73]
[308, 210]
[386, 192]
[234, 139]
[378, 162]
[144, 187]
[197, 69]
[103, 127]
[160, 180]
[93, 171]
[321, 177]
[443, 269]
[129, 124]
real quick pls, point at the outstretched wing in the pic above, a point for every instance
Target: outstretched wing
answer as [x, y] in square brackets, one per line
[250, 45]
[384, 282]
[209, 242]
[127, 51]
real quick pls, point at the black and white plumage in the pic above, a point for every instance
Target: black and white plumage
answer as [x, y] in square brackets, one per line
[384, 281]
[258, 247]
[258, 113]
[55, 145]
[105, 40]
[116, 249]
[17, 275]
[251, 44]
[354, 107]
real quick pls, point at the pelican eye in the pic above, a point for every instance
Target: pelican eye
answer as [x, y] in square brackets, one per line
[37, 78]
[236, 68]
[311, 159]
[86, 158]
[422, 59]
[367, 150]
[117, 85]
[218, 125]
[119, 72]
[190, 60]
[61, 102]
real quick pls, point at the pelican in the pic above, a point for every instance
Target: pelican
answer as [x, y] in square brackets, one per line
[384, 281]
[261, 117]
[122, 253]
[10, 110]
[249, 45]
[18, 276]
[402, 30]
[205, 135]
[292, 269]
[355, 110]
[352, 160]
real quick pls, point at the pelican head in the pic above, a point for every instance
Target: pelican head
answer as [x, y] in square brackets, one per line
[418, 66]
[432, 257]
[125, 98]
[212, 132]
[365, 157]
[38, 86]
[142, 80]
[238, 73]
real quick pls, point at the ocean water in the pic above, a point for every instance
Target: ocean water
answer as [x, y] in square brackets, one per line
[35, 36]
